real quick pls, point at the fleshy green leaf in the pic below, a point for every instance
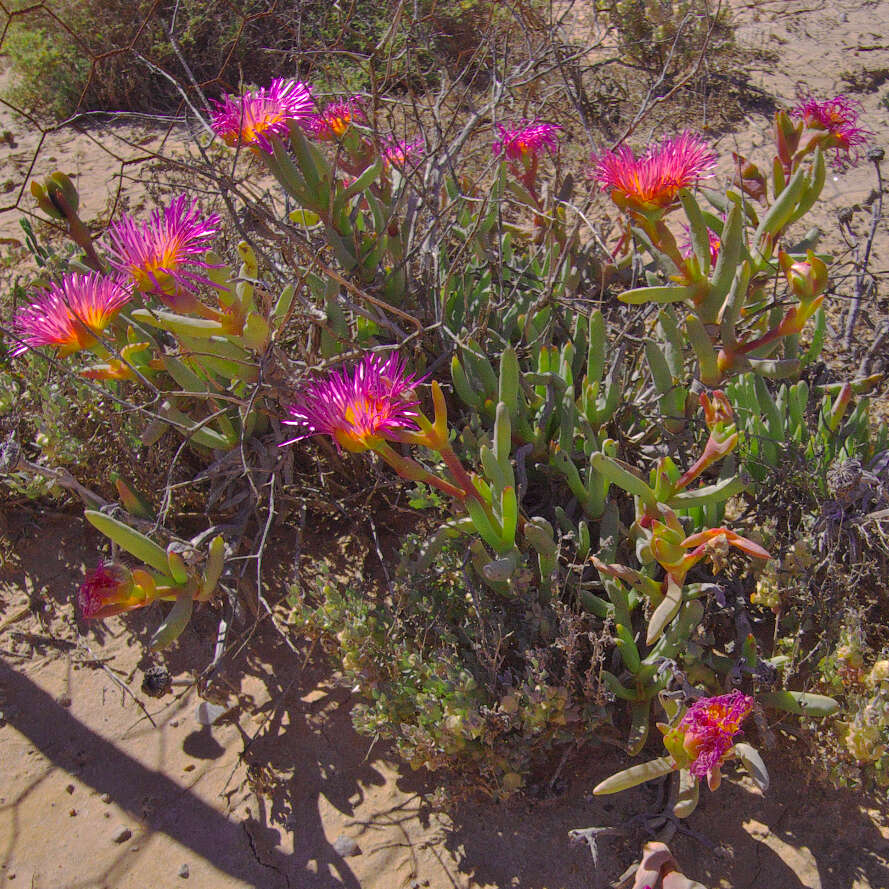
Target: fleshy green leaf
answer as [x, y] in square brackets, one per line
[800, 702]
[631, 777]
[134, 542]
[175, 622]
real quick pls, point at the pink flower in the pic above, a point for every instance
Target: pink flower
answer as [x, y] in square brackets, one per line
[109, 590]
[709, 727]
[837, 120]
[712, 237]
[357, 405]
[250, 120]
[160, 255]
[527, 139]
[335, 119]
[70, 314]
[399, 154]
[653, 180]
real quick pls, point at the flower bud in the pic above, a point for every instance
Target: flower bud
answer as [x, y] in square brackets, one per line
[787, 136]
[56, 195]
[58, 185]
[109, 590]
[839, 407]
[807, 279]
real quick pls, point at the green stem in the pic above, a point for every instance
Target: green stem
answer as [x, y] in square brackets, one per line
[413, 471]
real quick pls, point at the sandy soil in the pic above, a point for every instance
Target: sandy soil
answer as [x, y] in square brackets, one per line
[279, 791]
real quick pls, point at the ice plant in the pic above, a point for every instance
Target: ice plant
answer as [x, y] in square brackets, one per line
[704, 737]
[400, 153]
[162, 254]
[677, 553]
[358, 407]
[336, 118]
[807, 280]
[698, 745]
[835, 126]
[527, 139]
[367, 406]
[70, 313]
[109, 590]
[652, 181]
[720, 419]
[523, 143]
[251, 119]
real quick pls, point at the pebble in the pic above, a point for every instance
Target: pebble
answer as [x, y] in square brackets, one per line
[134, 848]
[183, 871]
[121, 835]
[106, 797]
[209, 714]
[346, 846]
[73, 812]
[69, 788]
[189, 767]
[64, 701]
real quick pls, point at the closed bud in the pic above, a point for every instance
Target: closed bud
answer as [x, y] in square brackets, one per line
[58, 185]
[787, 136]
[807, 279]
[839, 407]
[43, 201]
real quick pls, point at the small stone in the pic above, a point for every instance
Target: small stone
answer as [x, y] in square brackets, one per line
[106, 797]
[174, 723]
[183, 872]
[346, 846]
[73, 812]
[64, 701]
[189, 767]
[69, 788]
[210, 714]
[121, 835]
[134, 848]
[10, 875]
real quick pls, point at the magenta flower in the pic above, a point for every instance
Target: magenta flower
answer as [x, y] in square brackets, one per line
[359, 405]
[400, 153]
[837, 121]
[71, 313]
[527, 139]
[653, 180]
[335, 119]
[160, 255]
[109, 590]
[708, 729]
[250, 120]
[712, 237]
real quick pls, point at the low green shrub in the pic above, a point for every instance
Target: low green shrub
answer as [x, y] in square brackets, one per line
[107, 54]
